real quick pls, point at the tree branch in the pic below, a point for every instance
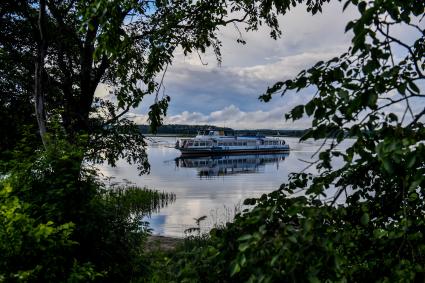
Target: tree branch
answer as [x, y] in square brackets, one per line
[414, 59]
[417, 117]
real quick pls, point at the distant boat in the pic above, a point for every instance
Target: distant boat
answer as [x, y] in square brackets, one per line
[216, 142]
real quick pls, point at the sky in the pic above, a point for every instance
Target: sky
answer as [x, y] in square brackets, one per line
[204, 92]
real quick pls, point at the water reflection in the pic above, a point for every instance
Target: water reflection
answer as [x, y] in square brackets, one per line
[210, 186]
[222, 165]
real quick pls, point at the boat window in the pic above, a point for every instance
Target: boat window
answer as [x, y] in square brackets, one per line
[201, 144]
[195, 144]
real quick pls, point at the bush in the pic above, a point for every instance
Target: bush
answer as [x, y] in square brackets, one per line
[297, 239]
[103, 226]
[33, 251]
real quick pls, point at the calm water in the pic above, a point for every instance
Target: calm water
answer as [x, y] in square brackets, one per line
[211, 186]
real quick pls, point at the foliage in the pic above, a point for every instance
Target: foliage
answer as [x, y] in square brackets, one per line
[196, 229]
[33, 251]
[107, 231]
[363, 221]
[186, 263]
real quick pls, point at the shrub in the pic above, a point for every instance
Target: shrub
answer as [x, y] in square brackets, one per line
[105, 225]
[34, 251]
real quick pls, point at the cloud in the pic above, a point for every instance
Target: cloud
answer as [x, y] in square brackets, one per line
[228, 94]
[232, 116]
[198, 90]
[202, 89]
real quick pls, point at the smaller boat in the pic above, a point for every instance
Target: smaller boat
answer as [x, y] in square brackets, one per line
[216, 142]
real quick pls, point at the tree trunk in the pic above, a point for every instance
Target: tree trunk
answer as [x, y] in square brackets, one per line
[38, 78]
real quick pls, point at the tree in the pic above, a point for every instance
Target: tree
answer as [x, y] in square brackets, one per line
[67, 48]
[372, 228]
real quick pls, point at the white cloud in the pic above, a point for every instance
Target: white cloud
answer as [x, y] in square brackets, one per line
[247, 70]
[228, 94]
[232, 116]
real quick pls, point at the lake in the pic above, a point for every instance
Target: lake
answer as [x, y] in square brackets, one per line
[210, 186]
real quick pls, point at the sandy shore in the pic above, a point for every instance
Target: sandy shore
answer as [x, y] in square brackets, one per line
[163, 243]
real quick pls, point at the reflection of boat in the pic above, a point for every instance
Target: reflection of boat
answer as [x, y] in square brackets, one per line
[216, 142]
[220, 165]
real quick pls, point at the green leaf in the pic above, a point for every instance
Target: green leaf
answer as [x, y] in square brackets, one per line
[392, 117]
[388, 166]
[243, 247]
[411, 160]
[313, 279]
[293, 239]
[297, 112]
[309, 107]
[413, 87]
[362, 7]
[235, 269]
[346, 5]
[244, 238]
[380, 233]
[364, 220]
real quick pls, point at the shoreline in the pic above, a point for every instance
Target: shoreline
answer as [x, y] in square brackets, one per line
[163, 243]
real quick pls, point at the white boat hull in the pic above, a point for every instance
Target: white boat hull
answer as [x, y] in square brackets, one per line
[231, 150]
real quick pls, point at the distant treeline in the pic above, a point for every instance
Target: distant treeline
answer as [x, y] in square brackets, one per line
[191, 130]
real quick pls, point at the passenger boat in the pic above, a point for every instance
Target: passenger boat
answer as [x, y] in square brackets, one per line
[216, 142]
